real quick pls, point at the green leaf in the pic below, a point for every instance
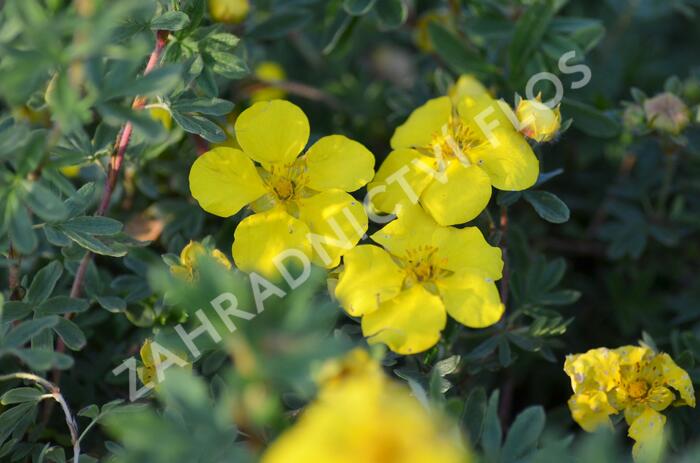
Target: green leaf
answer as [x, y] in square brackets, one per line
[229, 65]
[20, 395]
[81, 200]
[11, 418]
[529, 31]
[21, 333]
[590, 120]
[60, 305]
[548, 206]
[44, 202]
[358, 7]
[157, 82]
[280, 24]
[474, 412]
[170, 21]
[112, 304]
[92, 244]
[91, 411]
[391, 13]
[200, 126]
[71, 334]
[457, 56]
[20, 228]
[44, 282]
[208, 106]
[524, 433]
[220, 41]
[15, 310]
[42, 359]
[491, 434]
[93, 225]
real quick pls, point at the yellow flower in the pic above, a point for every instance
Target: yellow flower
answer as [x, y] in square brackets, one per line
[370, 419]
[229, 11]
[449, 153]
[537, 120]
[188, 260]
[404, 291]
[300, 203]
[161, 115]
[147, 372]
[632, 379]
[70, 171]
[269, 73]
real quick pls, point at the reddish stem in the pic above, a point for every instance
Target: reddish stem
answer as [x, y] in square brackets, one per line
[506, 270]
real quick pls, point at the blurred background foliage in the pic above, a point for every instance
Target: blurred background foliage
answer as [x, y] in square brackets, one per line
[604, 250]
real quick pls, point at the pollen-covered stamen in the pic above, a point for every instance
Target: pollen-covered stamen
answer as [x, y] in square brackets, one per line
[638, 389]
[423, 265]
[453, 141]
[286, 182]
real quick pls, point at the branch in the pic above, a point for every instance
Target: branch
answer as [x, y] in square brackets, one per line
[55, 393]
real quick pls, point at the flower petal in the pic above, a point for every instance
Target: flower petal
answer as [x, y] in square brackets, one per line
[338, 162]
[369, 277]
[224, 180]
[336, 222]
[462, 196]
[662, 370]
[471, 298]
[591, 410]
[272, 131]
[413, 228]
[260, 238]
[400, 179]
[409, 323]
[647, 431]
[508, 160]
[462, 248]
[422, 124]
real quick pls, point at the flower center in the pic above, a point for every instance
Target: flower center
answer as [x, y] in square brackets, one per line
[422, 265]
[286, 182]
[638, 389]
[454, 141]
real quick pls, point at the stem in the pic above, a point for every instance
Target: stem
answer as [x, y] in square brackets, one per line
[14, 274]
[55, 393]
[506, 268]
[116, 161]
[669, 173]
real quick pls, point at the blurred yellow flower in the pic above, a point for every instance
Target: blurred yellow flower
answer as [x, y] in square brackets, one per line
[300, 203]
[421, 34]
[269, 73]
[188, 260]
[365, 417]
[147, 372]
[632, 379]
[161, 115]
[404, 291]
[229, 11]
[537, 120]
[449, 153]
[70, 171]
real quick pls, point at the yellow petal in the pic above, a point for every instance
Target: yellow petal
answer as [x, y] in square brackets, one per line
[336, 221]
[273, 131]
[401, 178]
[662, 370]
[413, 228]
[597, 369]
[648, 432]
[224, 180]
[659, 398]
[591, 410]
[189, 254]
[260, 238]
[409, 323]
[146, 353]
[424, 122]
[466, 86]
[471, 298]
[509, 161]
[369, 277]
[338, 162]
[461, 248]
[463, 196]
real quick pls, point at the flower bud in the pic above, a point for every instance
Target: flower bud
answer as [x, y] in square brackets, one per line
[634, 118]
[666, 113]
[229, 11]
[537, 120]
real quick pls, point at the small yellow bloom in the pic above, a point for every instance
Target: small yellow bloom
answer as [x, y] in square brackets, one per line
[629, 379]
[147, 372]
[70, 171]
[188, 260]
[404, 291]
[269, 73]
[449, 153]
[537, 120]
[367, 418]
[161, 115]
[229, 11]
[300, 203]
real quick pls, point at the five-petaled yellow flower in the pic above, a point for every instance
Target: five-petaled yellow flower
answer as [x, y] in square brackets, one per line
[632, 379]
[450, 151]
[300, 203]
[362, 416]
[187, 269]
[404, 291]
